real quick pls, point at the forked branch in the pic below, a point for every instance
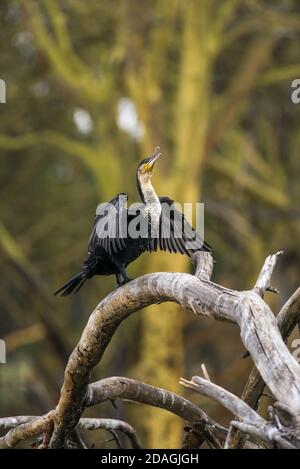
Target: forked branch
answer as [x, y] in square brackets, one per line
[258, 329]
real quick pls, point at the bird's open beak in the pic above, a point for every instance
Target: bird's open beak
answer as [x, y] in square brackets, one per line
[156, 154]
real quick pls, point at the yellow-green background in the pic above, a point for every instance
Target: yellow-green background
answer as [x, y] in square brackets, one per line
[211, 84]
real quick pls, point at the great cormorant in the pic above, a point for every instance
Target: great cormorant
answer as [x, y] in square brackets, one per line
[120, 235]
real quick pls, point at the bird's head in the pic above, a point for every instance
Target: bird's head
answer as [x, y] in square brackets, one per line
[145, 168]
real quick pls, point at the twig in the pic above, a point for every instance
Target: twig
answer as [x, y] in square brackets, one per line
[228, 438]
[111, 425]
[116, 438]
[263, 282]
[226, 398]
[205, 373]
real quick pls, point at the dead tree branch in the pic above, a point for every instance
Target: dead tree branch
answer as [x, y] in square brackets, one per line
[134, 391]
[263, 282]
[251, 422]
[10, 439]
[109, 425]
[287, 320]
[258, 329]
[27, 430]
[126, 389]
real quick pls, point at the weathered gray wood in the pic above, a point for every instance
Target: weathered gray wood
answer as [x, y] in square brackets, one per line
[25, 431]
[115, 387]
[111, 424]
[252, 422]
[265, 433]
[258, 329]
[126, 389]
[204, 265]
[263, 282]
[12, 422]
[287, 320]
[83, 424]
[259, 333]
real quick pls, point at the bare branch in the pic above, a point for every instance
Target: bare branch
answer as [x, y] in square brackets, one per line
[287, 320]
[205, 372]
[134, 391]
[25, 431]
[258, 328]
[12, 422]
[252, 422]
[255, 319]
[39, 425]
[226, 398]
[271, 434]
[111, 424]
[289, 315]
[204, 265]
[263, 282]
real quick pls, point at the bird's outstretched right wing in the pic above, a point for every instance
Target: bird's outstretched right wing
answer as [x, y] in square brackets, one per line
[110, 225]
[175, 232]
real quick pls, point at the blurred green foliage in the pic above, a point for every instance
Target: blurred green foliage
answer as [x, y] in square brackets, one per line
[210, 82]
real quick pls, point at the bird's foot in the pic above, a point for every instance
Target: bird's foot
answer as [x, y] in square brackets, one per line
[124, 281]
[122, 277]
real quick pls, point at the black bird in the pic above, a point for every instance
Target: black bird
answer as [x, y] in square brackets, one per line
[120, 235]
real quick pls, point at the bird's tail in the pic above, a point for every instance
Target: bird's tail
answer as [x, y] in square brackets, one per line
[74, 284]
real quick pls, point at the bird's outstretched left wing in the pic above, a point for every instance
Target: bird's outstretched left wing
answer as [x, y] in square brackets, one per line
[107, 233]
[175, 232]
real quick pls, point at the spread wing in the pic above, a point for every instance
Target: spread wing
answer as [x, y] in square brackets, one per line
[111, 220]
[175, 233]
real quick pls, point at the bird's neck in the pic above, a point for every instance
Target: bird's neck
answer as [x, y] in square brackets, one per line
[152, 209]
[146, 191]
[151, 201]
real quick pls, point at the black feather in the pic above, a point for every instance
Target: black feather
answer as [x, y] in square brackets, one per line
[75, 283]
